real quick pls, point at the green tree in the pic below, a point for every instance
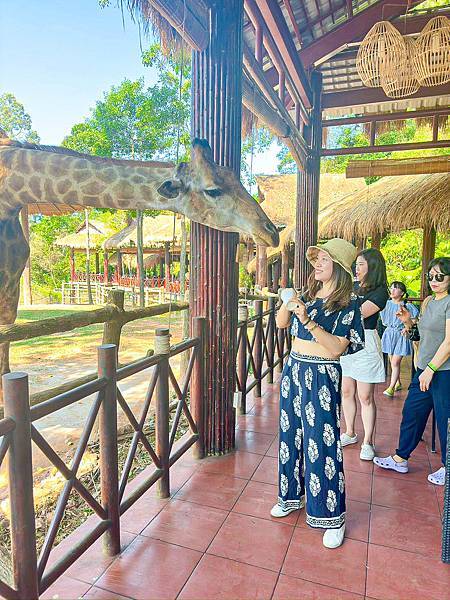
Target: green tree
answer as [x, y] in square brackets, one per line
[15, 121]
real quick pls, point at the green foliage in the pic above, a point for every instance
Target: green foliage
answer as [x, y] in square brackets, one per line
[286, 164]
[15, 121]
[403, 254]
[245, 278]
[255, 143]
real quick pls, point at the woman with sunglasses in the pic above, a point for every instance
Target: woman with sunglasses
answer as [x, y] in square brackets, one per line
[394, 342]
[431, 383]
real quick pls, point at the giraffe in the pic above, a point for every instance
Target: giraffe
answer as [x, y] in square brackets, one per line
[32, 174]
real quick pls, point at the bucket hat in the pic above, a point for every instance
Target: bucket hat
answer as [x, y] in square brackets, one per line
[340, 251]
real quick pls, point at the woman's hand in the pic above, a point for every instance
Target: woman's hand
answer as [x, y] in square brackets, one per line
[425, 379]
[300, 312]
[404, 316]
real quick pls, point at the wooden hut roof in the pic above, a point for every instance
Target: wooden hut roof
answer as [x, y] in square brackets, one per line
[391, 204]
[98, 233]
[279, 194]
[156, 232]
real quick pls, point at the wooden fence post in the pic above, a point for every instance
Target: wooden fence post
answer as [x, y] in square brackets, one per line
[258, 347]
[198, 397]
[20, 476]
[271, 338]
[242, 359]
[109, 470]
[162, 346]
[112, 329]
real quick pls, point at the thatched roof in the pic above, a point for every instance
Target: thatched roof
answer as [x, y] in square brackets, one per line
[156, 232]
[391, 204]
[279, 194]
[98, 233]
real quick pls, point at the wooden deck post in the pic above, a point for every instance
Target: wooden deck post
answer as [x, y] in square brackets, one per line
[198, 387]
[162, 346]
[261, 266]
[216, 116]
[285, 267]
[308, 187]
[428, 250]
[105, 268]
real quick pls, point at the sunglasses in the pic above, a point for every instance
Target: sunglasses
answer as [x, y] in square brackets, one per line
[439, 277]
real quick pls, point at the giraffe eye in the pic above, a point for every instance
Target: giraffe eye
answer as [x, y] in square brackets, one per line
[213, 193]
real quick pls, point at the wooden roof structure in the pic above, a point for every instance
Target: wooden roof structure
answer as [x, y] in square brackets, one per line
[157, 232]
[98, 233]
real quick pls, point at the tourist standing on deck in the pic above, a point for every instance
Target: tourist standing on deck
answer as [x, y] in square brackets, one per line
[326, 322]
[431, 383]
[394, 341]
[361, 372]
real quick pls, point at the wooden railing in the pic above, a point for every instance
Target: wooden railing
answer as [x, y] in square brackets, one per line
[33, 574]
[129, 281]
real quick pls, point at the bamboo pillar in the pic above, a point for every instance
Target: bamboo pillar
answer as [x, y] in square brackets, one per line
[27, 293]
[216, 116]
[276, 273]
[428, 250]
[72, 264]
[308, 188]
[261, 266]
[285, 267]
[119, 267]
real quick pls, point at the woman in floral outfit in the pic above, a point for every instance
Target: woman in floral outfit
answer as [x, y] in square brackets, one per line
[325, 323]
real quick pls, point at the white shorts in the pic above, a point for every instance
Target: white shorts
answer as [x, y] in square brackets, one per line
[367, 365]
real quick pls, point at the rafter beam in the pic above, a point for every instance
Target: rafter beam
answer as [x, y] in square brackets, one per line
[395, 116]
[353, 28]
[385, 148]
[188, 17]
[363, 96]
[270, 13]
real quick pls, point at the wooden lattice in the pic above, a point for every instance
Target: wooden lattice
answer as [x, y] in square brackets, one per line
[400, 79]
[431, 60]
[382, 47]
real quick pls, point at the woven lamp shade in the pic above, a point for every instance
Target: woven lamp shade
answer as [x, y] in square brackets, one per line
[432, 53]
[399, 80]
[381, 47]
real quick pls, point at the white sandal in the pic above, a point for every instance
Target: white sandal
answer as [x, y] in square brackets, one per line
[438, 477]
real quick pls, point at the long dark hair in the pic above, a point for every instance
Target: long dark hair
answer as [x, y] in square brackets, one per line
[376, 270]
[401, 286]
[444, 265]
[343, 288]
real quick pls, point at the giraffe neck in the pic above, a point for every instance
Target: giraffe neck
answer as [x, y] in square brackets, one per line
[37, 176]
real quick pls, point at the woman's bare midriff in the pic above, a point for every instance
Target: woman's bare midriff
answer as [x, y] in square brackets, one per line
[311, 349]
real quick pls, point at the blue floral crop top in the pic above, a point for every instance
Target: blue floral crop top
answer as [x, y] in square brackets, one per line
[346, 323]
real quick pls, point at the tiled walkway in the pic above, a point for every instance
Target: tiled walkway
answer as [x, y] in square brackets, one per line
[216, 539]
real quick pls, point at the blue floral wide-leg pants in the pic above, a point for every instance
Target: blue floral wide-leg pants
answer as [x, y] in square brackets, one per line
[310, 454]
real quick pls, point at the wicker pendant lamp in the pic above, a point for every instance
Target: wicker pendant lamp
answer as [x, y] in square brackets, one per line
[382, 46]
[399, 80]
[432, 53]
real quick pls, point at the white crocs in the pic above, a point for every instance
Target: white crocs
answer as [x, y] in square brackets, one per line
[389, 463]
[346, 439]
[438, 477]
[333, 538]
[279, 512]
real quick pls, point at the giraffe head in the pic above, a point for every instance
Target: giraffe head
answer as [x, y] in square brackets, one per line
[214, 196]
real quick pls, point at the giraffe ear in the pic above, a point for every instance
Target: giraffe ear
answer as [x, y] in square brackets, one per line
[170, 188]
[201, 150]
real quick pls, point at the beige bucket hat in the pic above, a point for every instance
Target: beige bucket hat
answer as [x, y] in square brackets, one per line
[340, 251]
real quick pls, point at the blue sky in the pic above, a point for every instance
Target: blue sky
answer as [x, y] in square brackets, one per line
[59, 56]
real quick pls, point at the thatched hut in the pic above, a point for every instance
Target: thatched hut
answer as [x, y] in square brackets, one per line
[278, 194]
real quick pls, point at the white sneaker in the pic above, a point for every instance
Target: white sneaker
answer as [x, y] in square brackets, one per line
[333, 538]
[390, 463]
[367, 452]
[346, 440]
[438, 477]
[279, 512]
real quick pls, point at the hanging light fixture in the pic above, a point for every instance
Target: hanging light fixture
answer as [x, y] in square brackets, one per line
[431, 60]
[382, 46]
[399, 80]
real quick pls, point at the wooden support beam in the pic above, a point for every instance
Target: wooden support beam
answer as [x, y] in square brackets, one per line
[331, 43]
[259, 48]
[385, 148]
[188, 17]
[276, 24]
[364, 96]
[295, 27]
[261, 266]
[400, 166]
[254, 14]
[395, 116]
[253, 99]
[428, 250]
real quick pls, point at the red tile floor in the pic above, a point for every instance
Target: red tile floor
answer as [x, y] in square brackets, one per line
[215, 539]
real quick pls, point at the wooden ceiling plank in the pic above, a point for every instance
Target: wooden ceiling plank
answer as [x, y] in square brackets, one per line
[395, 116]
[385, 148]
[398, 166]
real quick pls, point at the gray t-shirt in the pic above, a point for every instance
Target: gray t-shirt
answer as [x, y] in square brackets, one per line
[432, 331]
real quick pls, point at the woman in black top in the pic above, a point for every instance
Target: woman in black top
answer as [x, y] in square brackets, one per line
[364, 369]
